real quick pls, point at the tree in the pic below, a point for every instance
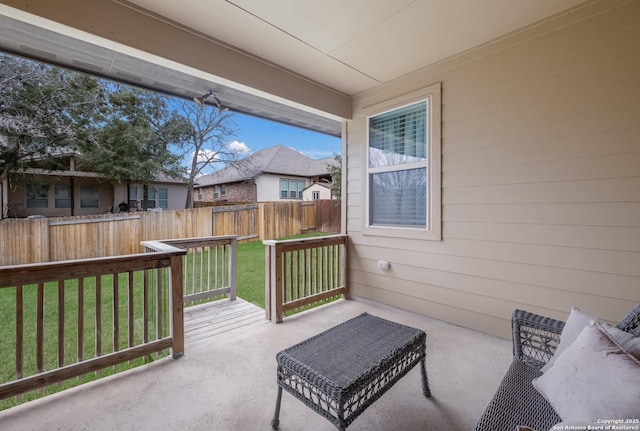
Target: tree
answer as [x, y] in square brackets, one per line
[335, 170]
[208, 142]
[44, 111]
[133, 143]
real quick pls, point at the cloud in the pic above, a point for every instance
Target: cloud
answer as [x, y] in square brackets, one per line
[238, 146]
[234, 146]
[205, 155]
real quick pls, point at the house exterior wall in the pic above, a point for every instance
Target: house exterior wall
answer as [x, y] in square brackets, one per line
[17, 198]
[241, 192]
[176, 193]
[540, 178]
[268, 187]
[233, 192]
[307, 194]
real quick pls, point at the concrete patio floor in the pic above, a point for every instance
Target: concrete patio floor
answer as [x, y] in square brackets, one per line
[228, 382]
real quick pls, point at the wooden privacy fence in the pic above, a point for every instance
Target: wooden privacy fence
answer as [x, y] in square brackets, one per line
[76, 317]
[326, 215]
[25, 241]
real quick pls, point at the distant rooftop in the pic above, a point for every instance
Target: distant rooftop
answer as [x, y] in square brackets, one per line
[274, 160]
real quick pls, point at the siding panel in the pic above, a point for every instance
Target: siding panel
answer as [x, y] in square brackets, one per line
[541, 178]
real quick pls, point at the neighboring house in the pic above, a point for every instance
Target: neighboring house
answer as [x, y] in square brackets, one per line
[315, 191]
[72, 189]
[273, 174]
[165, 193]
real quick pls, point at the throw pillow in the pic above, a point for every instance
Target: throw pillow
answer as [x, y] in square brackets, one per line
[593, 378]
[575, 323]
[629, 342]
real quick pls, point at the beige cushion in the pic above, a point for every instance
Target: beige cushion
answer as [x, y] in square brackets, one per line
[629, 342]
[577, 321]
[574, 325]
[593, 378]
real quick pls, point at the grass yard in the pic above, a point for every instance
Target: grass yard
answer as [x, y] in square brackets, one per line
[250, 287]
[250, 277]
[251, 261]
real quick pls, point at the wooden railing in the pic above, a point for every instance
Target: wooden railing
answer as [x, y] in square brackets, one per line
[302, 272]
[209, 265]
[76, 317]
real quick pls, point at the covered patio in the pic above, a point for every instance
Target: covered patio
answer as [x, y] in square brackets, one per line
[531, 110]
[228, 382]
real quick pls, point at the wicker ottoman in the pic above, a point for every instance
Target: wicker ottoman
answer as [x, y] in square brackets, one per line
[342, 371]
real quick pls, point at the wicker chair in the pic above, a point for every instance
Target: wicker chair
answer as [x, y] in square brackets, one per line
[516, 401]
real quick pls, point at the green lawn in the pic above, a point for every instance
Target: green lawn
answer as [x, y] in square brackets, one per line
[251, 257]
[250, 277]
[250, 287]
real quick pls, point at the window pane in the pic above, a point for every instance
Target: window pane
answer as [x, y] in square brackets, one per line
[163, 202]
[151, 193]
[89, 197]
[284, 189]
[293, 186]
[398, 136]
[37, 195]
[62, 196]
[399, 198]
[133, 193]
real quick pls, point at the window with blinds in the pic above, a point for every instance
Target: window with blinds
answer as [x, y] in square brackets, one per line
[291, 189]
[89, 197]
[403, 166]
[62, 196]
[398, 167]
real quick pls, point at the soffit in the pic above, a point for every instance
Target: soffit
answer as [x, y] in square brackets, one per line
[354, 45]
[343, 46]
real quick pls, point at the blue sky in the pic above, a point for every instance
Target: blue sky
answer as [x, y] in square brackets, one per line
[258, 134]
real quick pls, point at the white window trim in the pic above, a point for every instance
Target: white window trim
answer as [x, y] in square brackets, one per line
[433, 230]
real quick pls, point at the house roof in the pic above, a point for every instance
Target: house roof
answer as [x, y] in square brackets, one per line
[279, 160]
[159, 177]
[319, 184]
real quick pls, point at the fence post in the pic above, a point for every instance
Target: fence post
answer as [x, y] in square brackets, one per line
[177, 307]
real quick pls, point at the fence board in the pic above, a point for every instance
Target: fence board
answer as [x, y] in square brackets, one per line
[240, 220]
[280, 219]
[327, 215]
[25, 241]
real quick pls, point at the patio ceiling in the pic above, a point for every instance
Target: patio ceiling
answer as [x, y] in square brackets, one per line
[286, 60]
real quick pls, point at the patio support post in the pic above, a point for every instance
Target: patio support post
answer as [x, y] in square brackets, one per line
[177, 308]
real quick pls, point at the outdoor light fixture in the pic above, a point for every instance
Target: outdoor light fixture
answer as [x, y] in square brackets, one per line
[200, 100]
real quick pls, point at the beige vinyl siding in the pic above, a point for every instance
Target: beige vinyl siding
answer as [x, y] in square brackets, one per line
[540, 182]
[268, 188]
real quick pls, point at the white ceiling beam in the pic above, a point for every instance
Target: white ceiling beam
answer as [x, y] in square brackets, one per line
[126, 25]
